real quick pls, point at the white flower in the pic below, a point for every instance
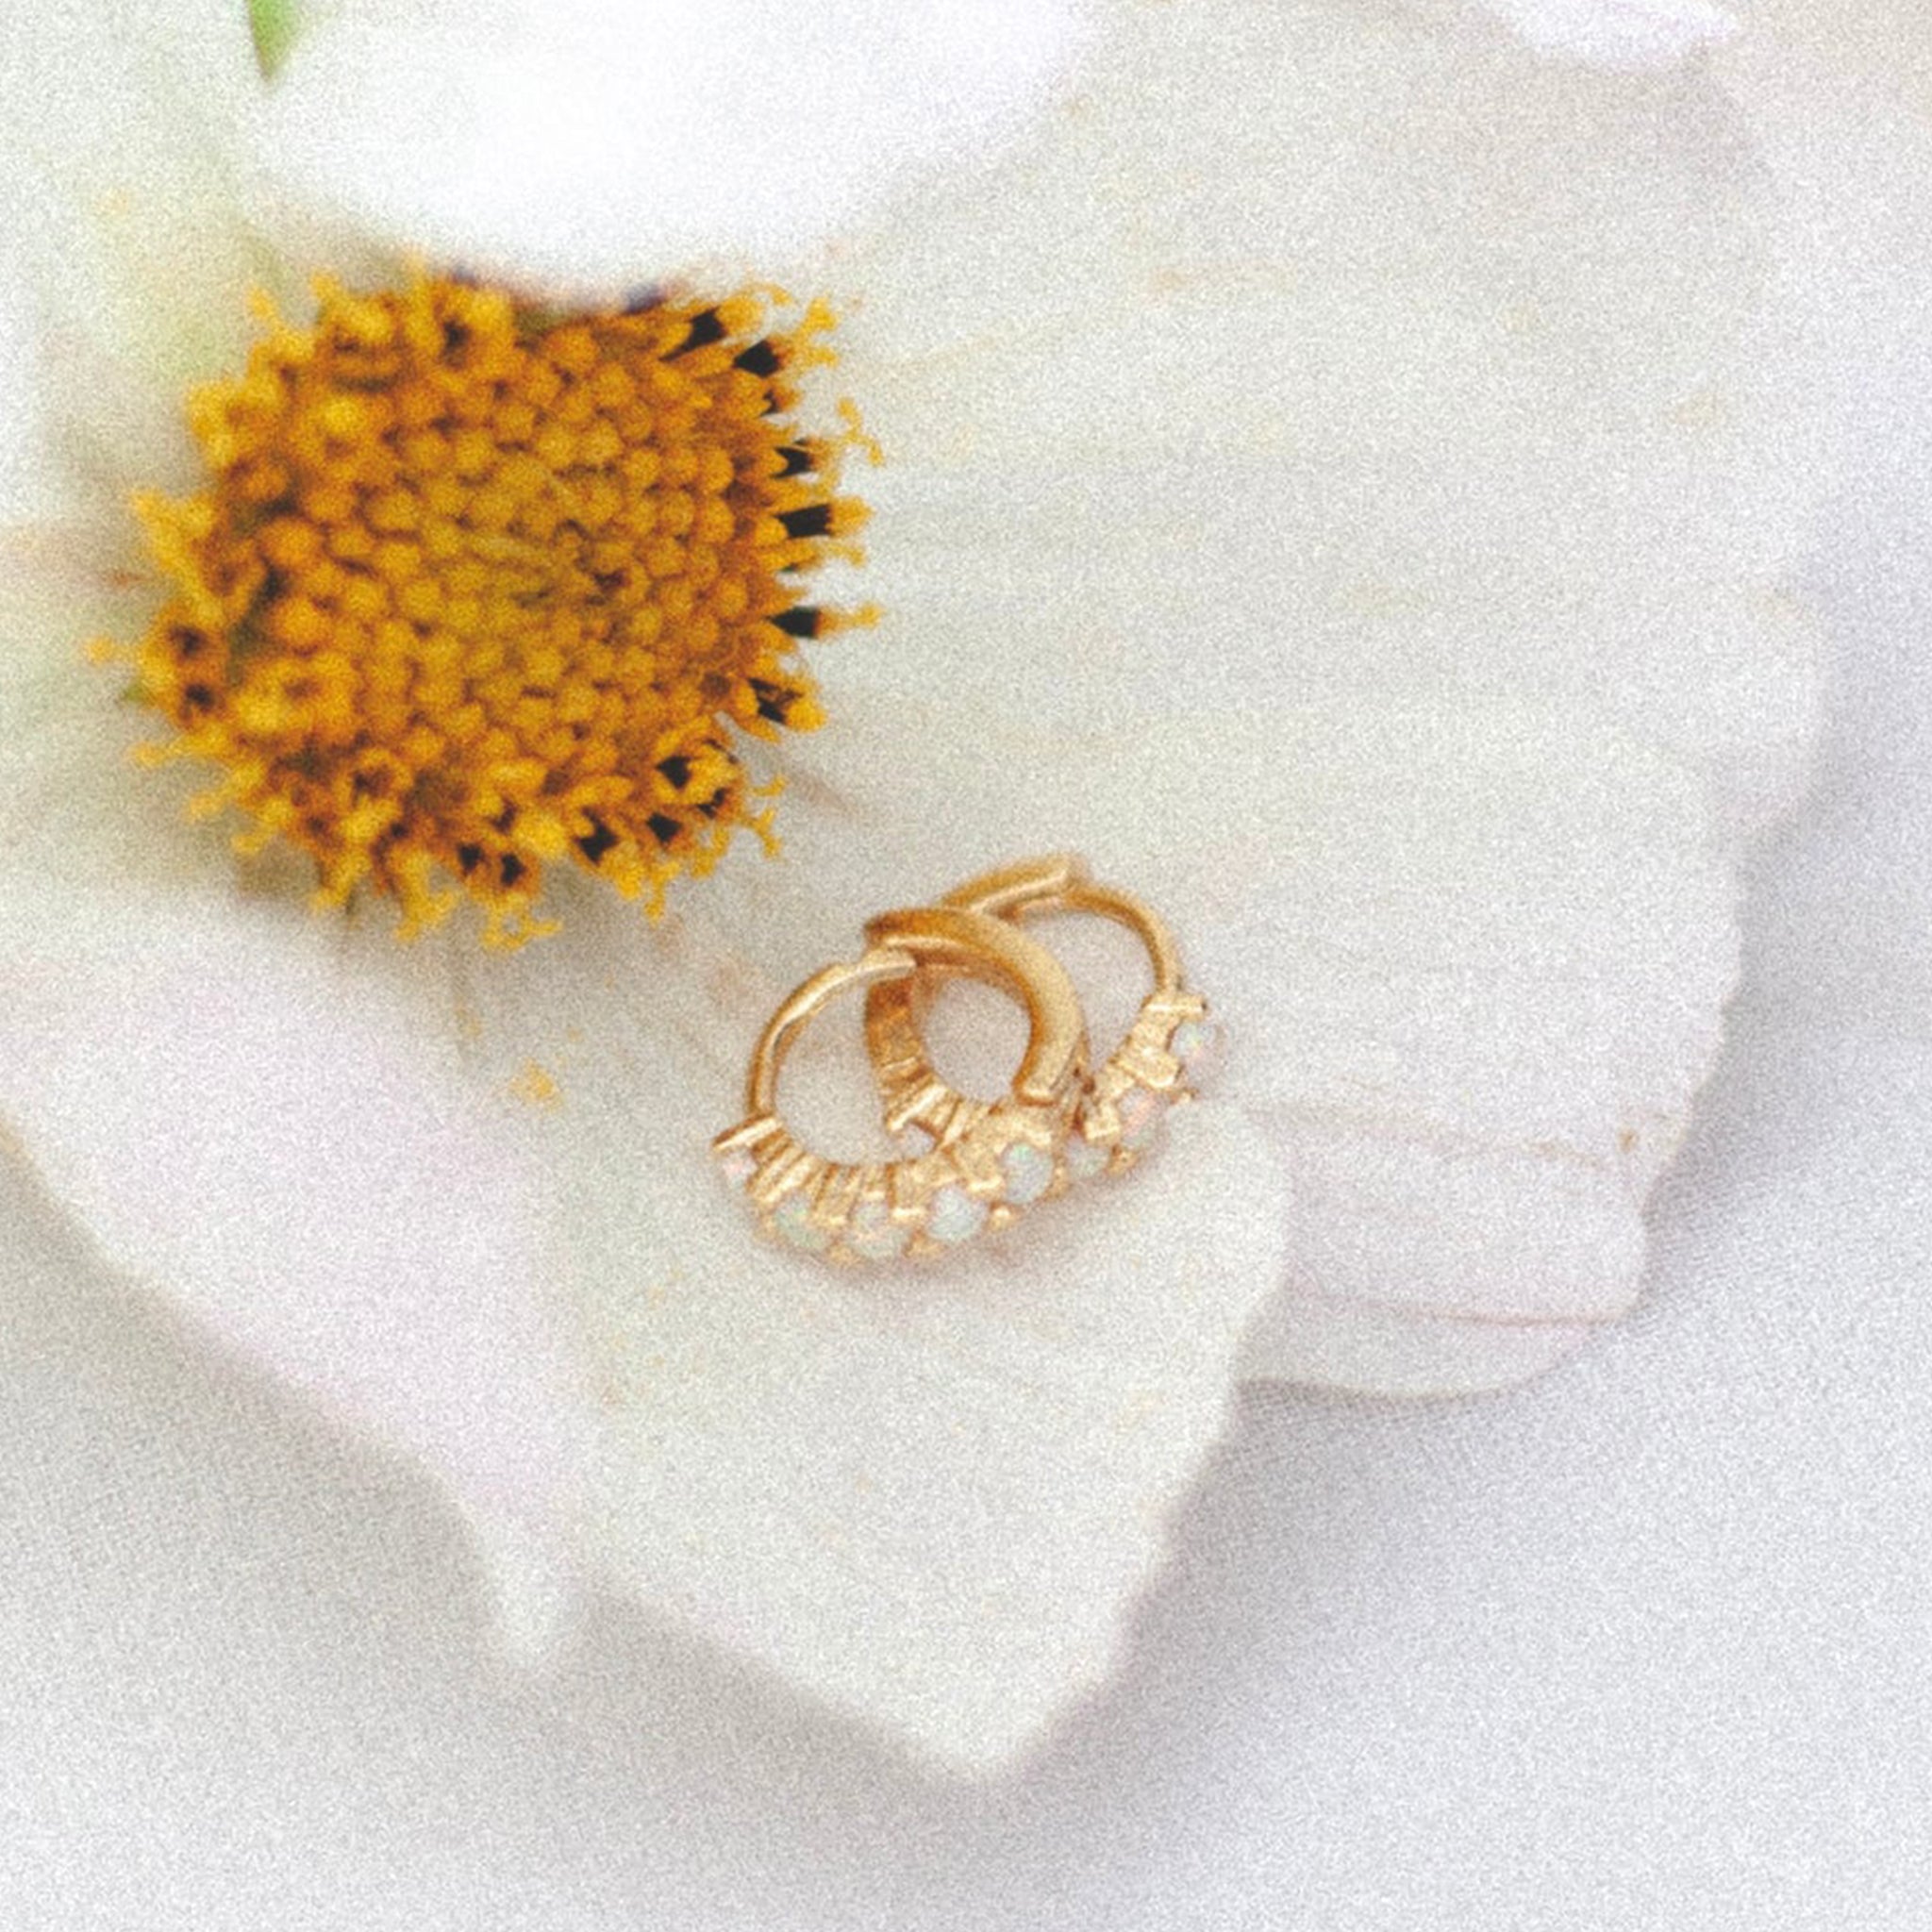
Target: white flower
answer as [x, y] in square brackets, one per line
[1351, 525]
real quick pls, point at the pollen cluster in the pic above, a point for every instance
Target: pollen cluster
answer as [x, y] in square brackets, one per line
[475, 588]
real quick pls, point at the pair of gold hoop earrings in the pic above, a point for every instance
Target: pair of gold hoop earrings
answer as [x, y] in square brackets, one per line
[986, 1161]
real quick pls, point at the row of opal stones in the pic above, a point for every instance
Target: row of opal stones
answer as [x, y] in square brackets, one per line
[870, 1231]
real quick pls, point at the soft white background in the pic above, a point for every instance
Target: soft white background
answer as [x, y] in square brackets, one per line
[1647, 1644]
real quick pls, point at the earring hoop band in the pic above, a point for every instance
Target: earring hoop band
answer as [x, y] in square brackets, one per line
[1123, 1104]
[987, 1159]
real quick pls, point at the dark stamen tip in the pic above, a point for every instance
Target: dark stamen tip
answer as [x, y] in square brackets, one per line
[599, 839]
[775, 701]
[814, 520]
[707, 327]
[761, 358]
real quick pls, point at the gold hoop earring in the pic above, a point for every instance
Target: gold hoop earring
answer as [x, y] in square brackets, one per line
[1121, 1108]
[988, 1161]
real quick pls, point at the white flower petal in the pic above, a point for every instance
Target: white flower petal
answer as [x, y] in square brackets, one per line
[1471, 961]
[247, 1120]
[1493, 393]
[241, 1130]
[349, 1157]
[1619, 33]
[1304, 1337]
[31, 486]
[125, 218]
[927, 1495]
[1487, 920]
[586, 144]
[934, 1503]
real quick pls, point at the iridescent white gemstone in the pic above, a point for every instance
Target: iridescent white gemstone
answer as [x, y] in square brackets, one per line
[1028, 1172]
[1141, 1111]
[953, 1215]
[1197, 1044]
[873, 1235]
[1084, 1158]
[793, 1219]
[737, 1166]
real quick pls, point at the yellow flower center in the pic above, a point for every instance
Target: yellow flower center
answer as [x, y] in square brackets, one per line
[474, 588]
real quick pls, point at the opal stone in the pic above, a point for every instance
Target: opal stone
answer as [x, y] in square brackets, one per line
[1197, 1045]
[1028, 1172]
[793, 1219]
[1084, 1158]
[953, 1215]
[737, 1166]
[873, 1235]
